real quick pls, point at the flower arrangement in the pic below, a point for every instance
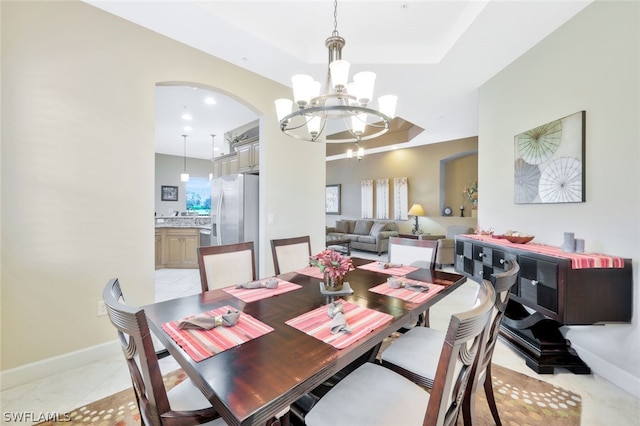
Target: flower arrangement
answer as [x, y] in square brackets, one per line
[332, 263]
[471, 192]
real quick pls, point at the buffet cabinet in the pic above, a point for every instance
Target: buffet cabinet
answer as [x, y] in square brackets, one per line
[548, 294]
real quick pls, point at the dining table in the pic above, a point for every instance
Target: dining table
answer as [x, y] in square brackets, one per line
[284, 348]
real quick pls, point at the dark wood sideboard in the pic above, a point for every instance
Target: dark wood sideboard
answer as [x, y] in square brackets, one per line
[549, 293]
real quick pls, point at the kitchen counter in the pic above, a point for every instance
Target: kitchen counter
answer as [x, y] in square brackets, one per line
[183, 222]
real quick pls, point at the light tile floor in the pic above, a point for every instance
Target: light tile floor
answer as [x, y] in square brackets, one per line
[602, 402]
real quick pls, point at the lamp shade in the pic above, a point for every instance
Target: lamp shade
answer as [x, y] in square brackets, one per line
[416, 210]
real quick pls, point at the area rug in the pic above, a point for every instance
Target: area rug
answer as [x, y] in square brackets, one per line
[521, 401]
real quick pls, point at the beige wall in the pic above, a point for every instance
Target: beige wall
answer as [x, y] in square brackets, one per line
[78, 96]
[591, 63]
[424, 167]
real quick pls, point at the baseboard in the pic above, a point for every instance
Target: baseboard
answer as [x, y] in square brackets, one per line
[40, 369]
[619, 377]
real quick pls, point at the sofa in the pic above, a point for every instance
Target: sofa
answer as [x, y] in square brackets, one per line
[446, 246]
[364, 234]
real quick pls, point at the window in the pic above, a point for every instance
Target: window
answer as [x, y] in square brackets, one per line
[198, 192]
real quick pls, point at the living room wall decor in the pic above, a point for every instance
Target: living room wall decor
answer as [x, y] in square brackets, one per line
[332, 205]
[400, 198]
[366, 199]
[549, 162]
[382, 198]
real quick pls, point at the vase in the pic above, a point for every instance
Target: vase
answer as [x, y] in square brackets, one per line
[333, 283]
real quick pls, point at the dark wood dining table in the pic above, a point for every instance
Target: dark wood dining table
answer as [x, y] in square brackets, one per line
[250, 383]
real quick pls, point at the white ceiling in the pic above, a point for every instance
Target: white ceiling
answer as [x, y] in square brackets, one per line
[432, 54]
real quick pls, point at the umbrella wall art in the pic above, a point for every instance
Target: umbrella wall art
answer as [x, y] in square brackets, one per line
[549, 162]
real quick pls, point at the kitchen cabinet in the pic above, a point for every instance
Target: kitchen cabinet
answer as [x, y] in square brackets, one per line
[225, 165]
[249, 155]
[177, 247]
[551, 292]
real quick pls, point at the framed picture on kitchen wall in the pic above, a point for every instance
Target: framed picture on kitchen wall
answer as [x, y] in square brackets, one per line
[332, 205]
[169, 193]
[549, 162]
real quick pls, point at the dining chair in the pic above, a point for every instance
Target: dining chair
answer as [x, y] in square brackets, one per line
[184, 404]
[412, 354]
[418, 253]
[290, 254]
[222, 266]
[375, 395]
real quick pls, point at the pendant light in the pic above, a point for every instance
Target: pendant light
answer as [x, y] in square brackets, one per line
[184, 177]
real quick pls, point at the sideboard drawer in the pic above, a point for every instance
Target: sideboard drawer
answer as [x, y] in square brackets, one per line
[538, 283]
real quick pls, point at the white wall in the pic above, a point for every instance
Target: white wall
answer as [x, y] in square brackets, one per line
[591, 63]
[78, 96]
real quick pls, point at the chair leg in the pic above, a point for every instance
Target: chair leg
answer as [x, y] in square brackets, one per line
[488, 391]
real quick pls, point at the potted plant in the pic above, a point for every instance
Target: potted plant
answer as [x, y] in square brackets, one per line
[334, 266]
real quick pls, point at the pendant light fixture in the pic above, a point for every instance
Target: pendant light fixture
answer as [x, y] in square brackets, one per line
[184, 177]
[345, 105]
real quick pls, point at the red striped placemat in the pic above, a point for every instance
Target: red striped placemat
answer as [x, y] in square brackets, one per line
[202, 344]
[396, 270]
[249, 295]
[362, 321]
[311, 271]
[578, 260]
[406, 294]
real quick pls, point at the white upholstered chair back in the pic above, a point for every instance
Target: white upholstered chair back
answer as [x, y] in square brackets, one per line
[222, 266]
[290, 254]
[420, 253]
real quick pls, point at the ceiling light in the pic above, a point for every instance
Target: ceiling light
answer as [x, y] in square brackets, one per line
[209, 100]
[184, 177]
[343, 107]
[186, 115]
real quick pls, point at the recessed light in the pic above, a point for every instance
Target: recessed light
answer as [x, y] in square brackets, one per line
[186, 116]
[209, 100]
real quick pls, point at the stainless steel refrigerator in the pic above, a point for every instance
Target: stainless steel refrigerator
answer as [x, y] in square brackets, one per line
[234, 209]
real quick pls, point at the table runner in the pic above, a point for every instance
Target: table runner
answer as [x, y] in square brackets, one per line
[578, 260]
[406, 294]
[249, 295]
[311, 271]
[362, 321]
[202, 344]
[396, 270]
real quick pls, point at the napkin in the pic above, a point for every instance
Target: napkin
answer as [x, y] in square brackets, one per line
[396, 282]
[270, 283]
[206, 322]
[338, 320]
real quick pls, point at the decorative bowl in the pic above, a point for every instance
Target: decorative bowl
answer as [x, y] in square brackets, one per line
[518, 240]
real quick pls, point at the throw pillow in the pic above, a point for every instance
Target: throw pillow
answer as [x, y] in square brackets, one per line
[342, 226]
[377, 228]
[363, 227]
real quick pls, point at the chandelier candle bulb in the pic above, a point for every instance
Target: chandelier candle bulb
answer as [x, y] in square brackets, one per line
[283, 108]
[339, 73]
[387, 105]
[365, 82]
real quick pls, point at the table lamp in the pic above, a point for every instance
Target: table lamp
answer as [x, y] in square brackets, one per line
[416, 210]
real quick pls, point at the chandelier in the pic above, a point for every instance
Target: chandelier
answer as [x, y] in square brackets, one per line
[343, 107]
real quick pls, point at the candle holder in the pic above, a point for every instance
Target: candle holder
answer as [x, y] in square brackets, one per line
[461, 211]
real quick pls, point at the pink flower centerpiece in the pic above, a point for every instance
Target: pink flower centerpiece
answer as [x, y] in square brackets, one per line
[334, 266]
